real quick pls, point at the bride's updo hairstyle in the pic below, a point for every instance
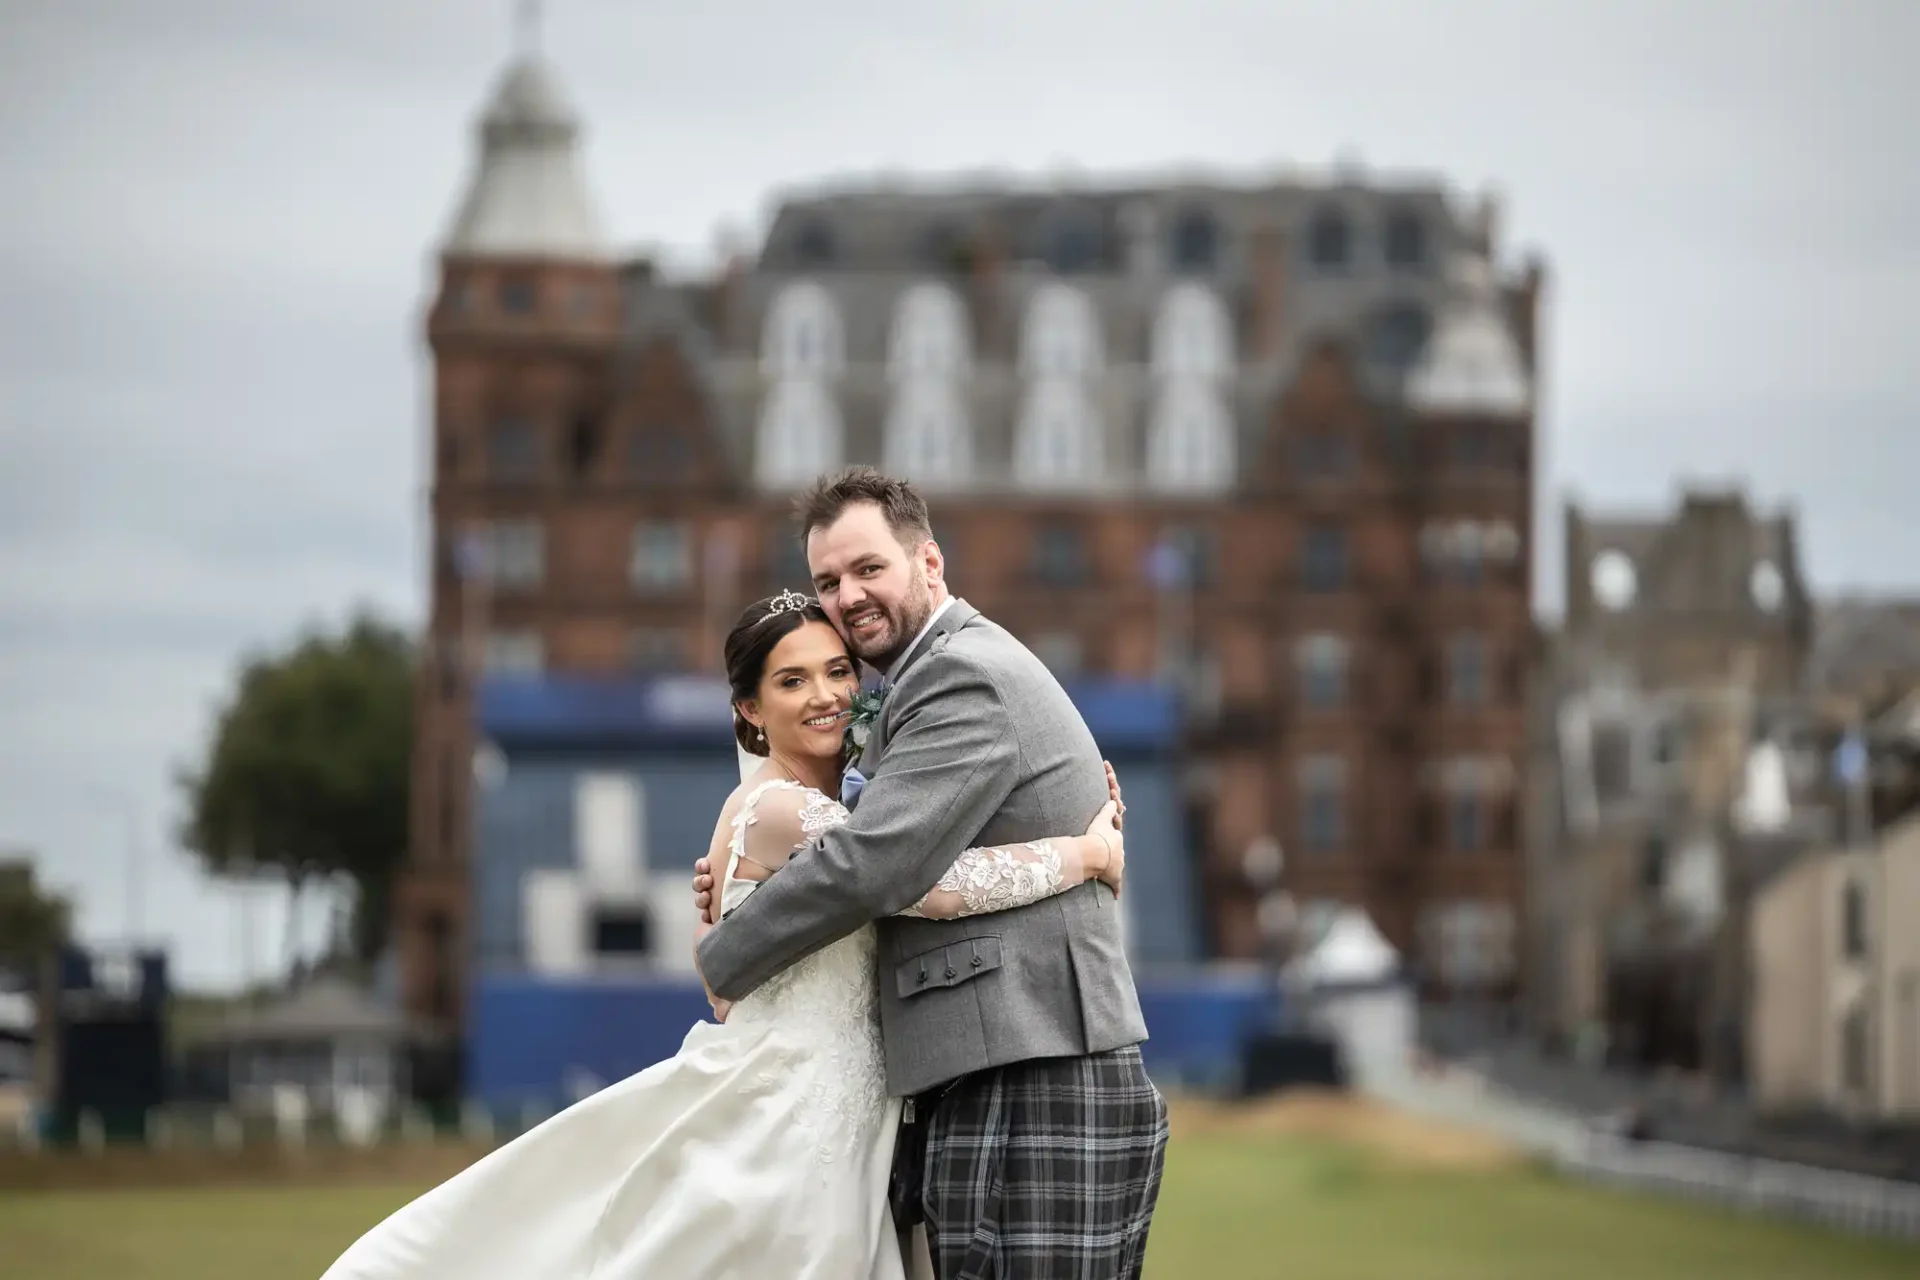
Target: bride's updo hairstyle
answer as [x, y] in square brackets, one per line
[764, 624]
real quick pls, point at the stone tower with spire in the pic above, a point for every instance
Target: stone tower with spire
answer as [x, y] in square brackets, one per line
[522, 329]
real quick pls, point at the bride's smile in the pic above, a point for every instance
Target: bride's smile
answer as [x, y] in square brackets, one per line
[803, 701]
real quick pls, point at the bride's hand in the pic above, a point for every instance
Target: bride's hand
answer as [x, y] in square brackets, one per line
[1104, 833]
[1113, 794]
[703, 889]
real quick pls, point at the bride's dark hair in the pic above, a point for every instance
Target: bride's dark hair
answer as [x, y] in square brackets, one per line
[764, 624]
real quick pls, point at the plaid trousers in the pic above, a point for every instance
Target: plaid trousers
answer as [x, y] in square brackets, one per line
[1044, 1170]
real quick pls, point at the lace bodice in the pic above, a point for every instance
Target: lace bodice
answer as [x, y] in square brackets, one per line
[831, 998]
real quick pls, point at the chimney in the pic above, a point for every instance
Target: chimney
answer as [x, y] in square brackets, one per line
[1269, 302]
[988, 268]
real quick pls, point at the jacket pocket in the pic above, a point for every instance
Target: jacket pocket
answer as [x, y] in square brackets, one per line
[947, 966]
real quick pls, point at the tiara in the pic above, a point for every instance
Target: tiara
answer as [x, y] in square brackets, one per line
[787, 602]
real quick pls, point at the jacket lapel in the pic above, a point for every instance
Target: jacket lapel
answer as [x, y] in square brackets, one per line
[958, 615]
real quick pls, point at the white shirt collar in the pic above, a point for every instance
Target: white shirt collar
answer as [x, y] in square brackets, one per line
[931, 619]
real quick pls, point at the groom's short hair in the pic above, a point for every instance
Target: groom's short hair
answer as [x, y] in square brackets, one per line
[898, 500]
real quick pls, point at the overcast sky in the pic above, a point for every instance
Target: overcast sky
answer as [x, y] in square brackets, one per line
[219, 218]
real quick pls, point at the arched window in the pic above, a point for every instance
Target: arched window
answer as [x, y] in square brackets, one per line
[927, 439]
[799, 435]
[1330, 240]
[1192, 336]
[929, 333]
[803, 335]
[1058, 443]
[1061, 334]
[1190, 444]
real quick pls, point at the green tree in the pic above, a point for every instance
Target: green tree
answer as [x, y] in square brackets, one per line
[308, 770]
[34, 923]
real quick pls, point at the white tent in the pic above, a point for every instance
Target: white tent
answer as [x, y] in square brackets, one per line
[1351, 952]
[1351, 980]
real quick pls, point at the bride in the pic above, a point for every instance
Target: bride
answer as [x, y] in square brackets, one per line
[763, 1147]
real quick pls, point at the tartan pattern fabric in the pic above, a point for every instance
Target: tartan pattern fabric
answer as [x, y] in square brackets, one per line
[1045, 1170]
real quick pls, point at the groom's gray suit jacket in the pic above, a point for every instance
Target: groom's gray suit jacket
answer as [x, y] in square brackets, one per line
[977, 744]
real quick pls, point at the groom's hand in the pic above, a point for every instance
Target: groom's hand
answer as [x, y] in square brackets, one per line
[703, 889]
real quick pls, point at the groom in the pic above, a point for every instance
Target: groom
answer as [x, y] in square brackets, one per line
[1032, 1139]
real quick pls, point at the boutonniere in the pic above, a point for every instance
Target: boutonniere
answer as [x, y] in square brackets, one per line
[862, 714]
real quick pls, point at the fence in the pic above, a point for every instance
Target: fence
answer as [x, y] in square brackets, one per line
[1844, 1201]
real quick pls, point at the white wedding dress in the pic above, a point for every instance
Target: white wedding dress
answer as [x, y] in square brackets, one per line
[763, 1148]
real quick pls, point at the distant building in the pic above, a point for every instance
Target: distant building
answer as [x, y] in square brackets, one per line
[1270, 442]
[1684, 647]
[1835, 1021]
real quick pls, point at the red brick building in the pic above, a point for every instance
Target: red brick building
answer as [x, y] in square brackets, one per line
[1272, 440]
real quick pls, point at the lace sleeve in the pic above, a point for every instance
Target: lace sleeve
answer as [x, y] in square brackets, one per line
[996, 879]
[779, 822]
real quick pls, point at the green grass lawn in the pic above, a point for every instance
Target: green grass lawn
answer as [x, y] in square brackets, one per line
[1232, 1207]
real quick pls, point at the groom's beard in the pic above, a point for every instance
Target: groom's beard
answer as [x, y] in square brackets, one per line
[901, 629]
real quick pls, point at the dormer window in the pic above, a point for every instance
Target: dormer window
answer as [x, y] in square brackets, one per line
[1196, 241]
[803, 335]
[814, 244]
[929, 333]
[1405, 241]
[1192, 336]
[1061, 334]
[1330, 240]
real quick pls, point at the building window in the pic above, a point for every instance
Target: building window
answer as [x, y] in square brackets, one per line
[1405, 242]
[512, 554]
[1062, 653]
[814, 244]
[1322, 662]
[1060, 556]
[800, 434]
[1192, 334]
[1058, 443]
[1196, 241]
[1330, 240]
[1190, 440]
[514, 653]
[1323, 804]
[513, 449]
[929, 333]
[1467, 670]
[803, 337]
[1853, 921]
[1072, 242]
[518, 295]
[662, 557]
[1060, 335]
[1323, 562]
[926, 437]
[661, 649]
[1466, 822]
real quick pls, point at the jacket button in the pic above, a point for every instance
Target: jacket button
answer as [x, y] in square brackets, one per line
[949, 971]
[977, 962]
[922, 978]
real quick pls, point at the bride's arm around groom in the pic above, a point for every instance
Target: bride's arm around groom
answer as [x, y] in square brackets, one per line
[952, 758]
